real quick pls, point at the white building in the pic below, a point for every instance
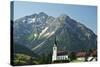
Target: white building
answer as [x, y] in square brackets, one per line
[58, 55]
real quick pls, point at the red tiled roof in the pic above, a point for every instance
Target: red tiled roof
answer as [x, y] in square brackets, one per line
[81, 54]
[94, 53]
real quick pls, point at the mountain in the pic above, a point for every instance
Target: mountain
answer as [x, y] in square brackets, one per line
[38, 32]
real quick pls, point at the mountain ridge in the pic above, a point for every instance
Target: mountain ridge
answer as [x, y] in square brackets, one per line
[37, 32]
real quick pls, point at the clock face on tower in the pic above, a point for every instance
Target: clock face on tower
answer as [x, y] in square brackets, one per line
[54, 48]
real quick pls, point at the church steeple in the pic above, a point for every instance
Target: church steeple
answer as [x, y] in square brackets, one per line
[55, 42]
[54, 56]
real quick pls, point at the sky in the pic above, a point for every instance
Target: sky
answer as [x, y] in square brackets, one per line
[84, 14]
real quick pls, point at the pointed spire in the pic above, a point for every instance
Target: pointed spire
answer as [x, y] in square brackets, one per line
[55, 41]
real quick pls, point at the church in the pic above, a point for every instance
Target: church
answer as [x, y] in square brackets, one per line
[59, 55]
[63, 56]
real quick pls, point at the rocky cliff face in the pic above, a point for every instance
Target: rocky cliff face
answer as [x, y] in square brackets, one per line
[38, 32]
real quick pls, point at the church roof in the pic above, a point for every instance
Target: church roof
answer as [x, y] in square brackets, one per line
[62, 53]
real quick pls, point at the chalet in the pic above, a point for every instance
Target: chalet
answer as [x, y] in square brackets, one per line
[86, 56]
[93, 56]
[81, 56]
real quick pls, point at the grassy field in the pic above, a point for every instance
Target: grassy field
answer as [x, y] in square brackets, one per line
[76, 61]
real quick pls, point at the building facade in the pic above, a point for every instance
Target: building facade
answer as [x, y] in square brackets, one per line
[58, 55]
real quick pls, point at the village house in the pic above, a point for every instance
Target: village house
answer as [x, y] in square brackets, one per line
[86, 56]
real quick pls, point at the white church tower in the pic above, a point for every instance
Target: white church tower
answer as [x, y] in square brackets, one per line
[54, 55]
